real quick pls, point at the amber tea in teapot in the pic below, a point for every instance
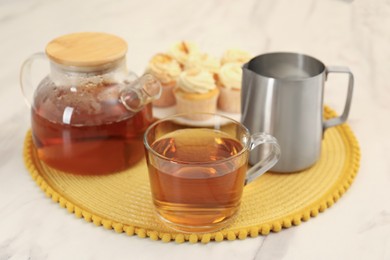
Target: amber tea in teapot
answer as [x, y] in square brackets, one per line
[99, 138]
[89, 114]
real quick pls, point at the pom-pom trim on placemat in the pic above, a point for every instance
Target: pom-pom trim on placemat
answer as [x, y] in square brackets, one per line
[48, 182]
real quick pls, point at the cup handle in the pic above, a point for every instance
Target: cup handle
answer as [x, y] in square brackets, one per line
[25, 76]
[341, 119]
[270, 160]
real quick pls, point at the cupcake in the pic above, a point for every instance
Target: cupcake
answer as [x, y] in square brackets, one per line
[235, 55]
[166, 70]
[230, 77]
[196, 92]
[204, 62]
[181, 51]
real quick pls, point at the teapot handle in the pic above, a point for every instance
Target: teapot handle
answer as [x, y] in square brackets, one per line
[25, 77]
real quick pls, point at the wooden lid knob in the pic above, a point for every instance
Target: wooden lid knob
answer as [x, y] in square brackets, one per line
[86, 49]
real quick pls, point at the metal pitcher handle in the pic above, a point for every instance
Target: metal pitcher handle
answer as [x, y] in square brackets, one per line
[341, 119]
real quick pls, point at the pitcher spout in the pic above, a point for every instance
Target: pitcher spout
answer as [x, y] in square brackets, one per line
[247, 77]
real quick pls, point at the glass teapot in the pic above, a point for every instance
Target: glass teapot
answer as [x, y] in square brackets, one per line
[88, 115]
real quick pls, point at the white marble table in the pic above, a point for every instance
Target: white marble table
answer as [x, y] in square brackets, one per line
[349, 33]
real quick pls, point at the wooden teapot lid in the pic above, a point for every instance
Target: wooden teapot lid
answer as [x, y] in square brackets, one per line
[86, 49]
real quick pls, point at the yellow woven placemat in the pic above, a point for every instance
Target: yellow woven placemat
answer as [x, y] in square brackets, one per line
[122, 201]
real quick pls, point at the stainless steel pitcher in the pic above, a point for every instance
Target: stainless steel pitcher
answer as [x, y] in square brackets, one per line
[282, 94]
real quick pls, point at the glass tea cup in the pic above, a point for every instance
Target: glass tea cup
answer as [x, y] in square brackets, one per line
[197, 170]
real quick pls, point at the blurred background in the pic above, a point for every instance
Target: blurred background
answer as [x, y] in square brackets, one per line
[338, 32]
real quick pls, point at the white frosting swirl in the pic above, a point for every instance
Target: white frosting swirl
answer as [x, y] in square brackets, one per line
[196, 81]
[236, 55]
[230, 75]
[181, 51]
[203, 61]
[164, 67]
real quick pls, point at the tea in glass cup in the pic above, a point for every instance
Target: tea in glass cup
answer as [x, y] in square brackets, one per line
[197, 173]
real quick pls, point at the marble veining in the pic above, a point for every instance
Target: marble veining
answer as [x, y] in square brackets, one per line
[379, 221]
[338, 32]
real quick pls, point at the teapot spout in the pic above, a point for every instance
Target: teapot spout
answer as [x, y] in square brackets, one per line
[140, 92]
